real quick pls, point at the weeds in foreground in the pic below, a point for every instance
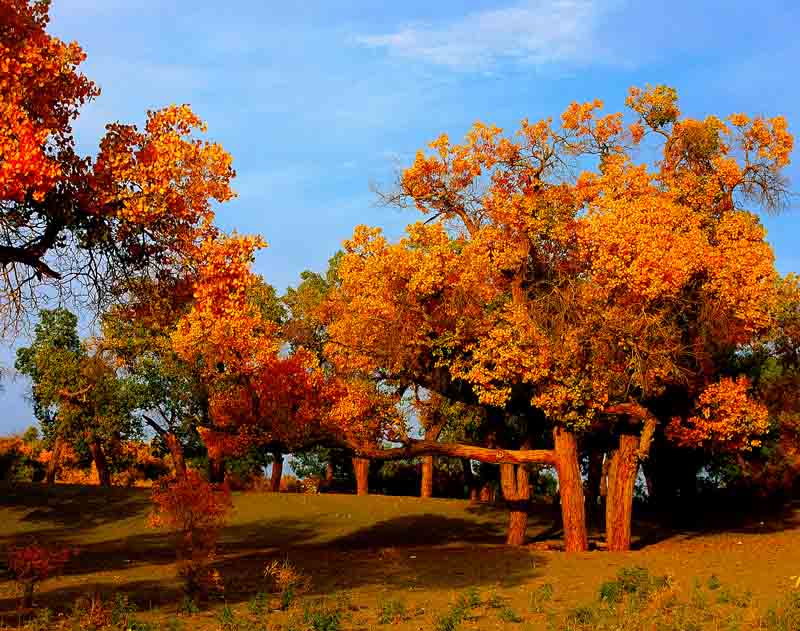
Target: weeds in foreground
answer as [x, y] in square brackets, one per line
[392, 611]
[637, 601]
[540, 596]
[452, 619]
[287, 580]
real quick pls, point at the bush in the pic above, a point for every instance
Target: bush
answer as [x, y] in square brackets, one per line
[30, 565]
[196, 512]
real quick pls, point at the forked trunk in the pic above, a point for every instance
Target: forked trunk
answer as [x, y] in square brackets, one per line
[361, 468]
[426, 485]
[593, 481]
[573, 511]
[100, 462]
[176, 451]
[277, 471]
[55, 461]
[515, 482]
[622, 471]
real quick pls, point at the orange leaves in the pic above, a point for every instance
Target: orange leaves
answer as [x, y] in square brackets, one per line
[742, 275]
[726, 417]
[162, 176]
[42, 92]
[643, 249]
[527, 284]
[222, 327]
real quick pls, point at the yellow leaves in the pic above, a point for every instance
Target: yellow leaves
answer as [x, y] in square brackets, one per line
[657, 106]
[573, 292]
[726, 417]
[162, 176]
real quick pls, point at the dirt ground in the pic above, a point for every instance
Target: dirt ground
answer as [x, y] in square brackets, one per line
[362, 552]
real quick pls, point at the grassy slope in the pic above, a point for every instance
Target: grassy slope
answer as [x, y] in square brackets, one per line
[371, 548]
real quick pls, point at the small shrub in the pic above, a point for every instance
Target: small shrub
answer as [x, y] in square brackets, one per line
[494, 601]
[196, 512]
[258, 604]
[121, 610]
[173, 624]
[30, 565]
[449, 621]
[633, 581]
[727, 596]
[287, 580]
[42, 621]
[188, 606]
[227, 619]
[322, 619]
[507, 614]
[541, 595]
[392, 611]
[785, 617]
[582, 616]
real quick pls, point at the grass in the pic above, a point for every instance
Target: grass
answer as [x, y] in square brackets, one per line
[416, 563]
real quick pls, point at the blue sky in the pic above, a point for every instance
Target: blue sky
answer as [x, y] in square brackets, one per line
[316, 100]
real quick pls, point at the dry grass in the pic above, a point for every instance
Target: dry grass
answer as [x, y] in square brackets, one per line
[364, 552]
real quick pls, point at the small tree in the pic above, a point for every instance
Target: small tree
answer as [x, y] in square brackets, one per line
[32, 564]
[196, 512]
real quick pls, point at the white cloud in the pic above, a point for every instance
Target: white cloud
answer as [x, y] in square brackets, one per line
[538, 32]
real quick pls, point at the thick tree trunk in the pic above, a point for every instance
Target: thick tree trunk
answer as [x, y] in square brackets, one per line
[593, 481]
[361, 468]
[277, 471]
[176, 451]
[573, 510]
[624, 465]
[55, 461]
[426, 485]
[216, 470]
[469, 480]
[100, 462]
[515, 483]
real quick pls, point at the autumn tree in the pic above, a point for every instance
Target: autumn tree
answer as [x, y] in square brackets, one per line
[598, 303]
[77, 227]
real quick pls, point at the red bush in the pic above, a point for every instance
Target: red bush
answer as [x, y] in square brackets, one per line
[196, 512]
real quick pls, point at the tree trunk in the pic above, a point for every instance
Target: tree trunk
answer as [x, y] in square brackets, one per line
[624, 465]
[216, 469]
[27, 594]
[515, 482]
[593, 481]
[100, 462]
[277, 471]
[426, 486]
[469, 480]
[329, 473]
[55, 461]
[573, 510]
[176, 451]
[361, 468]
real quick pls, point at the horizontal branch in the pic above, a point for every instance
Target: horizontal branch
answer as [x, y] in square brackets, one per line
[415, 448]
